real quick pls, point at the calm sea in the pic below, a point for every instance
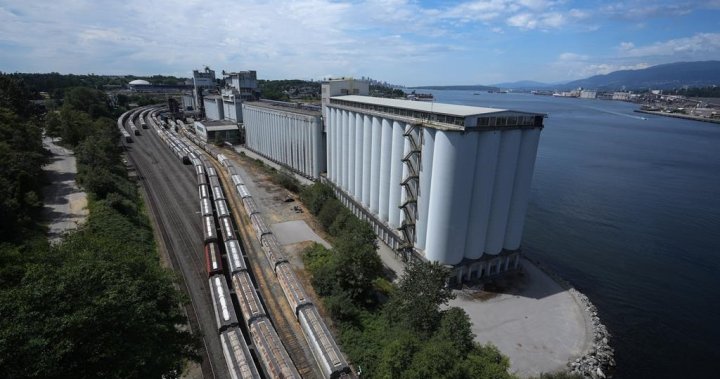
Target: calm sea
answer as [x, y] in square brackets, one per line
[628, 210]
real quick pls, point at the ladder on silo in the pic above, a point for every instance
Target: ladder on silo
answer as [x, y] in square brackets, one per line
[411, 186]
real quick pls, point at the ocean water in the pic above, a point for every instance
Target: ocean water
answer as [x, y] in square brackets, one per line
[628, 210]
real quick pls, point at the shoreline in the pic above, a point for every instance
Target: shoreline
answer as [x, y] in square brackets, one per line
[681, 116]
[598, 361]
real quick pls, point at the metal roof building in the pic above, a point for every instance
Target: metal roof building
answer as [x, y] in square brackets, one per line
[443, 182]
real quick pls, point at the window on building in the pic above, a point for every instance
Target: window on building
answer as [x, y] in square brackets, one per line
[483, 121]
[501, 121]
[512, 120]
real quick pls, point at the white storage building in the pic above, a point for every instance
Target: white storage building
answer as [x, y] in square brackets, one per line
[289, 134]
[447, 183]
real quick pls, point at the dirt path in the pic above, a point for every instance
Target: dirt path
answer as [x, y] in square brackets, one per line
[65, 205]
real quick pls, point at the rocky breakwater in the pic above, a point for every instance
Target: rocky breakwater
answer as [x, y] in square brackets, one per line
[598, 362]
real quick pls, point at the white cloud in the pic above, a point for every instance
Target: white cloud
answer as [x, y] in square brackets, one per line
[698, 46]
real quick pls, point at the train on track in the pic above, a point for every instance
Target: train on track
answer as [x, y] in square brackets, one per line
[220, 241]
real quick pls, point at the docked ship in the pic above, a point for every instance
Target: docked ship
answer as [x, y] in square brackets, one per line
[420, 96]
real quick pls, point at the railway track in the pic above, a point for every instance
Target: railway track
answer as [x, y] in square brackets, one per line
[171, 189]
[269, 289]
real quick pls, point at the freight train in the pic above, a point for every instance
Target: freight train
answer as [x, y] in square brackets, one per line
[215, 215]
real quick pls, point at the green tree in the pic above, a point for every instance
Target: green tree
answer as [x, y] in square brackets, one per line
[421, 292]
[93, 315]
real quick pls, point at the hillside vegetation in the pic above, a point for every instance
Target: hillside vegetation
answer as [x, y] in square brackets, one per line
[98, 304]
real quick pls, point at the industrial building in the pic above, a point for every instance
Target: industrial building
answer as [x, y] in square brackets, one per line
[218, 130]
[441, 182]
[287, 133]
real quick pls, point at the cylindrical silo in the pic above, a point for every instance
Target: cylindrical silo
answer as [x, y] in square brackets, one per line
[395, 174]
[521, 188]
[426, 178]
[367, 160]
[375, 165]
[450, 193]
[385, 153]
[343, 151]
[351, 154]
[337, 163]
[483, 182]
[329, 136]
[358, 156]
[502, 190]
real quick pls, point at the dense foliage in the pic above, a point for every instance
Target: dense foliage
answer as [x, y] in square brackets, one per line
[713, 91]
[402, 331]
[97, 304]
[55, 83]
[282, 89]
[21, 158]
[385, 91]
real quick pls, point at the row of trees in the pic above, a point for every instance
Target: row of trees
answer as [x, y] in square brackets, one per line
[98, 304]
[391, 331]
[56, 84]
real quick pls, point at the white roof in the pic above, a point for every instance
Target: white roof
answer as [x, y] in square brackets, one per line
[139, 82]
[422, 106]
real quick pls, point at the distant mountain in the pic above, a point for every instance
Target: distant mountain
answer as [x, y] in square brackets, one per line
[477, 87]
[524, 84]
[664, 76]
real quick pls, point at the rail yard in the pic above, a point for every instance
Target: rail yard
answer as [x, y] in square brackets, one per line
[252, 311]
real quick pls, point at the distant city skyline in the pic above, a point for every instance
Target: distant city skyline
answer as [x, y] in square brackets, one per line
[399, 41]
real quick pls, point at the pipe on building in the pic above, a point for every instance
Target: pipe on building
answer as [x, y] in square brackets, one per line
[367, 160]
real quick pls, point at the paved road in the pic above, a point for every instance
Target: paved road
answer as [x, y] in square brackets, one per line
[65, 204]
[172, 190]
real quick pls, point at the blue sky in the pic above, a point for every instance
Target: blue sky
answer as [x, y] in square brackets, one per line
[400, 41]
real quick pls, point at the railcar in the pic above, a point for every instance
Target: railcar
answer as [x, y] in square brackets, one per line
[226, 228]
[237, 180]
[250, 305]
[221, 208]
[203, 191]
[243, 191]
[272, 250]
[209, 232]
[234, 255]
[259, 225]
[324, 348]
[222, 303]
[218, 193]
[294, 292]
[249, 205]
[273, 356]
[206, 207]
[237, 355]
[213, 259]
